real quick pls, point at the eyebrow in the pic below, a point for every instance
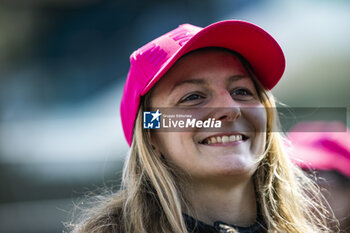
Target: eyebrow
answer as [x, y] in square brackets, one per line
[237, 77]
[190, 81]
[202, 81]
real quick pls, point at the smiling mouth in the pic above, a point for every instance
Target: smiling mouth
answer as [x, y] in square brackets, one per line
[222, 139]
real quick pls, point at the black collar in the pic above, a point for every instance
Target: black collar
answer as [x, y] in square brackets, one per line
[197, 226]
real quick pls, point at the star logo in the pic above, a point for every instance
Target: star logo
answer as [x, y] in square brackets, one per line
[156, 115]
[151, 120]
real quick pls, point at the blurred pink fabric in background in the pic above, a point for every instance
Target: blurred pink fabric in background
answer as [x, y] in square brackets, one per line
[321, 146]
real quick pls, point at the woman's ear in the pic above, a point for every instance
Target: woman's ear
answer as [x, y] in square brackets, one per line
[154, 145]
[156, 150]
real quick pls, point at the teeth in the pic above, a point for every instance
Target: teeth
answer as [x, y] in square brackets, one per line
[224, 139]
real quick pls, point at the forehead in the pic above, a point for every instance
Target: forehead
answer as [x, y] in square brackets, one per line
[203, 63]
[207, 52]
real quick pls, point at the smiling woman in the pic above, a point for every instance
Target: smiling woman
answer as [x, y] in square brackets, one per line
[235, 180]
[212, 78]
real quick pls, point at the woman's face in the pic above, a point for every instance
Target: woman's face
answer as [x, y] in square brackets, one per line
[213, 79]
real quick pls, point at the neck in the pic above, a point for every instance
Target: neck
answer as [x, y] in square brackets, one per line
[233, 203]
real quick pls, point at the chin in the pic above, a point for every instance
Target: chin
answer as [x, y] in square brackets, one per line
[237, 167]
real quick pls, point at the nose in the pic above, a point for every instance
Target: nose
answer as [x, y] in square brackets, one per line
[226, 108]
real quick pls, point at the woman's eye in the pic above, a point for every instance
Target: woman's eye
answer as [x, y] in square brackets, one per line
[242, 93]
[191, 98]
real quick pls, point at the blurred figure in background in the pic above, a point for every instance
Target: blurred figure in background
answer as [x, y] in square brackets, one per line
[325, 148]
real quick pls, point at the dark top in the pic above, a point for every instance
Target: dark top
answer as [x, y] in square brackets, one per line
[196, 226]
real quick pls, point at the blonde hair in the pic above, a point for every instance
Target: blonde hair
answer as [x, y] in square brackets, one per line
[150, 199]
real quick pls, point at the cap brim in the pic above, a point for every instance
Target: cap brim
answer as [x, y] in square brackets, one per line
[259, 48]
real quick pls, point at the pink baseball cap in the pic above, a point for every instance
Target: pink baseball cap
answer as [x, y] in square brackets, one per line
[150, 62]
[321, 146]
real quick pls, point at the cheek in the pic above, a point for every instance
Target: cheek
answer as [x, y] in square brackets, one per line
[257, 117]
[173, 146]
[161, 141]
[259, 143]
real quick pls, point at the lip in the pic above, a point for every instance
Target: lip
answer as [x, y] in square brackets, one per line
[224, 144]
[204, 140]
